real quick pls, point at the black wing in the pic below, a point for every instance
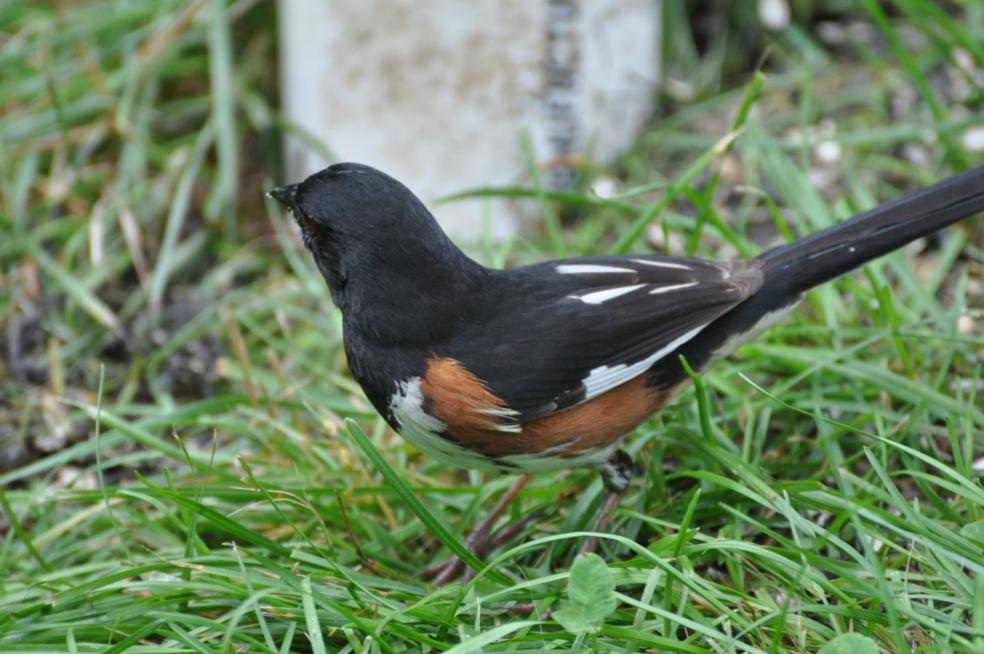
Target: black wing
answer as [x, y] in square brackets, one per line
[577, 328]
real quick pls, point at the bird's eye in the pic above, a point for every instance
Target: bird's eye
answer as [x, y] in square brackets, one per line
[303, 219]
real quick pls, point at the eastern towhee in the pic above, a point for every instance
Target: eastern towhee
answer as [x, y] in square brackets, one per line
[548, 366]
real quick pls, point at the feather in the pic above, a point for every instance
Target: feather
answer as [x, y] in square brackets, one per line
[599, 323]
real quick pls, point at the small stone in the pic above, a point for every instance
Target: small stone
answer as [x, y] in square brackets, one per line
[973, 138]
[963, 60]
[731, 170]
[916, 154]
[773, 14]
[831, 33]
[605, 187]
[968, 386]
[679, 89]
[727, 251]
[828, 152]
[74, 477]
[823, 178]
[656, 237]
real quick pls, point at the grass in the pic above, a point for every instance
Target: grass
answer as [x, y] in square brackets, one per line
[202, 475]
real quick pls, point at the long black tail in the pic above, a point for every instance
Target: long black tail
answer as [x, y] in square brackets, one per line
[792, 269]
[799, 266]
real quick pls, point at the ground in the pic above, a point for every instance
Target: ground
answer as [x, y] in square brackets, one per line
[185, 464]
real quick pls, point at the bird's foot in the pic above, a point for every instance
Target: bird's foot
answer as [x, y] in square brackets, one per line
[454, 568]
[480, 541]
[617, 473]
[601, 521]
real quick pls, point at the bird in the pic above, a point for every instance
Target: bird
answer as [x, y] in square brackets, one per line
[549, 366]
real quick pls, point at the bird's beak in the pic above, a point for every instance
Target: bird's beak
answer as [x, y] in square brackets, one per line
[285, 195]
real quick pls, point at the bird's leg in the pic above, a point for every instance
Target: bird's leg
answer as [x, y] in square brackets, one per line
[478, 541]
[502, 537]
[616, 472]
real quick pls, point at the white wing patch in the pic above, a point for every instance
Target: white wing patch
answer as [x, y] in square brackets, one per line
[661, 264]
[672, 287]
[605, 378]
[605, 294]
[597, 297]
[589, 268]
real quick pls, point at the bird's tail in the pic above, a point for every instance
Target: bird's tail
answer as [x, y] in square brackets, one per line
[792, 269]
[797, 267]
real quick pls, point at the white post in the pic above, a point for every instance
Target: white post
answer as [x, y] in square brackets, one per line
[439, 93]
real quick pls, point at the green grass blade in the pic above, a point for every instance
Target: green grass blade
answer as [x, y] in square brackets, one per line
[415, 505]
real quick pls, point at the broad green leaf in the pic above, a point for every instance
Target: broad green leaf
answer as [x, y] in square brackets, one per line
[850, 644]
[573, 621]
[591, 596]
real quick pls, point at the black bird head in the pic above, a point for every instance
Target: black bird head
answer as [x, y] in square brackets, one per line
[374, 241]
